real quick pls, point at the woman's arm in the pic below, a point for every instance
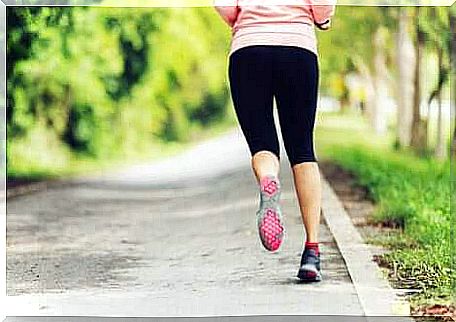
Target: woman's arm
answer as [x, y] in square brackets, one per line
[323, 12]
[228, 10]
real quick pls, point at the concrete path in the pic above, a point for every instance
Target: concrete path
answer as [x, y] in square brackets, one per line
[174, 238]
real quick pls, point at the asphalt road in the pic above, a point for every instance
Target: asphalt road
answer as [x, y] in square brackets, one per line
[177, 237]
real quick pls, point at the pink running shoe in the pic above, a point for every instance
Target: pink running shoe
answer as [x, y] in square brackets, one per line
[269, 215]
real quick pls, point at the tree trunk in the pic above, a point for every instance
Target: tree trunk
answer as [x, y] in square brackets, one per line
[405, 58]
[441, 145]
[378, 114]
[418, 137]
[452, 74]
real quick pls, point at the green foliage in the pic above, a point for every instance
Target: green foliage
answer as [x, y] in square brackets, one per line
[349, 46]
[434, 22]
[109, 82]
[350, 41]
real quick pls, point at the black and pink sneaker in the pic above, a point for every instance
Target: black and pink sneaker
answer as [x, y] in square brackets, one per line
[269, 215]
[309, 270]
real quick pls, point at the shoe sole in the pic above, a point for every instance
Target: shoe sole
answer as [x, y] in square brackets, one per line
[270, 228]
[270, 224]
[308, 273]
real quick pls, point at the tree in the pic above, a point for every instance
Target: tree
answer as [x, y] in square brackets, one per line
[26, 26]
[378, 112]
[146, 75]
[435, 24]
[404, 62]
[366, 54]
[452, 18]
[419, 128]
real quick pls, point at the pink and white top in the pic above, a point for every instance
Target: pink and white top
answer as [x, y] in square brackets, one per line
[263, 22]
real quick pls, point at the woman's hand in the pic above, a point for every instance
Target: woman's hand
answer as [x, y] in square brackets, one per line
[325, 25]
[323, 12]
[228, 10]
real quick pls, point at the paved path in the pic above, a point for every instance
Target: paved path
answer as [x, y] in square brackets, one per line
[177, 237]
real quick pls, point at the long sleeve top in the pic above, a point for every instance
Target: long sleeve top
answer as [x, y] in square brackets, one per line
[267, 22]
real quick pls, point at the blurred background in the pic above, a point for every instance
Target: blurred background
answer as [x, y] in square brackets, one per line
[91, 88]
[100, 84]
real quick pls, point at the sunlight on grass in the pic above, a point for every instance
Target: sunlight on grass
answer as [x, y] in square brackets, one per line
[410, 191]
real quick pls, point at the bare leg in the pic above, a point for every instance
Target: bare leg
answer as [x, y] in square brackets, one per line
[308, 188]
[265, 163]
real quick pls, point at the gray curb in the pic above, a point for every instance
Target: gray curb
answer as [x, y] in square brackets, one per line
[376, 296]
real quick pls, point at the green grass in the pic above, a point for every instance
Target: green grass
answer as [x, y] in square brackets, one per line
[410, 192]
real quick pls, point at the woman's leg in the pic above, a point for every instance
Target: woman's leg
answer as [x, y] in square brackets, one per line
[250, 74]
[251, 84]
[308, 188]
[296, 93]
[265, 163]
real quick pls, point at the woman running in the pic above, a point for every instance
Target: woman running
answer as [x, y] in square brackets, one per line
[274, 55]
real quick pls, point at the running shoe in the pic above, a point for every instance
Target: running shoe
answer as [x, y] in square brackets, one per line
[269, 215]
[309, 270]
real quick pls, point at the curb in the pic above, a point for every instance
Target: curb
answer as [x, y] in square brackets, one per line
[376, 296]
[26, 188]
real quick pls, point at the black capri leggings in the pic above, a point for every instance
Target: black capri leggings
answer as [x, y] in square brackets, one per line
[257, 74]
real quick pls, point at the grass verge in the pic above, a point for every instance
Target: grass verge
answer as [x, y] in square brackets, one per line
[411, 193]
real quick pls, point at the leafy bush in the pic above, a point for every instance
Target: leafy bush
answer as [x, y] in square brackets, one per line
[106, 82]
